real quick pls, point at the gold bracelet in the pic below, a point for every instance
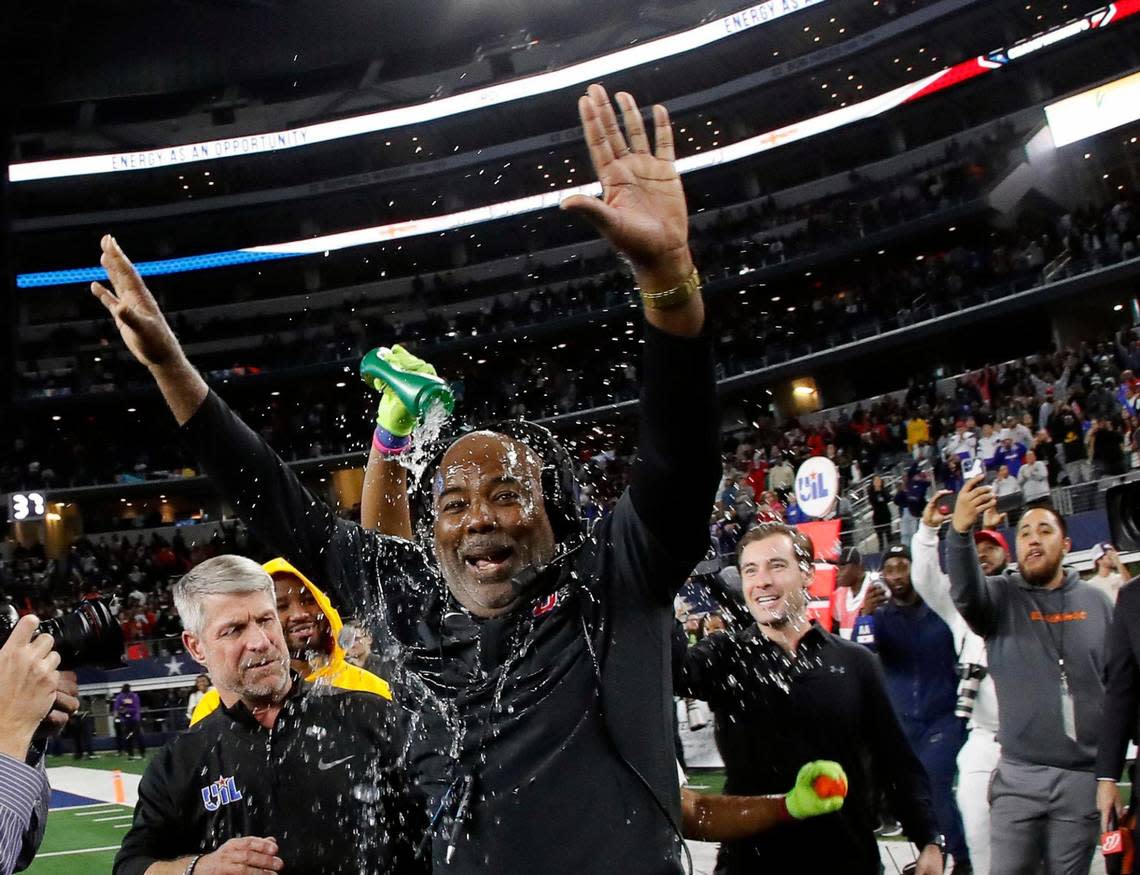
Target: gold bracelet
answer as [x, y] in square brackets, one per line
[670, 299]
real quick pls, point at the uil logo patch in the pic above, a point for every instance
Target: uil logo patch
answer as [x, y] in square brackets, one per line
[222, 792]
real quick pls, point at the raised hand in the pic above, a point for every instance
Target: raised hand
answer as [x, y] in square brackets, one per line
[642, 211]
[136, 313]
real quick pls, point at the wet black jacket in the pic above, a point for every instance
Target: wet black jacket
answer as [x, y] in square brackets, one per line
[774, 713]
[563, 778]
[327, 769]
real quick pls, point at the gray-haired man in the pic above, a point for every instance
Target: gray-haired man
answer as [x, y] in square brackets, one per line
[278, 778]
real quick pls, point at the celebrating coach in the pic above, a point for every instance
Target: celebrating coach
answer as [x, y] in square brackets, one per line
[540, 653]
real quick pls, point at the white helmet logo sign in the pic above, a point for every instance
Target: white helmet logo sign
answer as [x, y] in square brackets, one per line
[817, 486]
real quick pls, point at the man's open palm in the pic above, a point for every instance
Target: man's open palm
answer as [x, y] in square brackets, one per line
[136, 313]
[642, 211]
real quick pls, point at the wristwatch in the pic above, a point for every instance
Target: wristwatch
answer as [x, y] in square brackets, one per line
[939, 841]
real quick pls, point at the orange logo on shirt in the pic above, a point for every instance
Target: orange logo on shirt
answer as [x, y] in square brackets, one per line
[1067, 617]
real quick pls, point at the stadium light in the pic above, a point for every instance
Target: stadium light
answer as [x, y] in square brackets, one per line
[802, 130]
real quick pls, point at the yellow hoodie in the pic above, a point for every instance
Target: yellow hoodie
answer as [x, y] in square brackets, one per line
[337, 672]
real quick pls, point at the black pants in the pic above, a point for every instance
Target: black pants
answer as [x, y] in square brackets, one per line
[129, 736]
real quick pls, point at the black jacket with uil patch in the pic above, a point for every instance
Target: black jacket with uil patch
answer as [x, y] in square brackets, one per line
[325, 782]
[556, 720]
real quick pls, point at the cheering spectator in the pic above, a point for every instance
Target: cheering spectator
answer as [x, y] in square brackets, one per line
[1067, 432]
[1033, 480]
[1009, 453]
[1111, 574]
[911, 499]
[920, 660]
[1106, 447]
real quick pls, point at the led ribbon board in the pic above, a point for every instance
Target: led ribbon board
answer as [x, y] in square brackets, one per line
[481, 98]
[794, 132]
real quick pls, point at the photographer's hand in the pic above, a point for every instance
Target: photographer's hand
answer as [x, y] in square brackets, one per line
[29, 686]
[66, 704]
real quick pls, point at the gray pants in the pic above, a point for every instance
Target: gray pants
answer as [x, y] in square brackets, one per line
[1042, 816]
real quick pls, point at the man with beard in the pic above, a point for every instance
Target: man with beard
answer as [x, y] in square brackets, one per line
[1045, 634]
[977, 698]
[917, 652]
[278, 777]
[537, 654]
[785, 691]
[312, 629]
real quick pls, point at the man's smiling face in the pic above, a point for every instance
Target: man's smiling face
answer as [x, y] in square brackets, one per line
[490, 520]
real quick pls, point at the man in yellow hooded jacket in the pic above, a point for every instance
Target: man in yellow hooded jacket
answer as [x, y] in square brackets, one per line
[312, 631]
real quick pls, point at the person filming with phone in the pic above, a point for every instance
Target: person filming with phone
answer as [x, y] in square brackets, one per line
[1045, 635]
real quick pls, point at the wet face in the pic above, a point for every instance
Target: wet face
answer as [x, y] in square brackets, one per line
[991, 557]
[896, 575]
[242, 646]
[774, 583]
[305, 625]
[1041, 546]
[490, 520]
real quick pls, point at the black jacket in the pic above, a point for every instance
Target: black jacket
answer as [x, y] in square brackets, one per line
[329, 767]
[559, 715]
[773, 714]
[1121, 716]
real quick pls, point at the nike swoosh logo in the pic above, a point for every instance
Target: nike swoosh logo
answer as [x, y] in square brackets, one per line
[324, 767]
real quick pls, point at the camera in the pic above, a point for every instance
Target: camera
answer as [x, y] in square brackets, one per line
[88, 636]
[970, 676]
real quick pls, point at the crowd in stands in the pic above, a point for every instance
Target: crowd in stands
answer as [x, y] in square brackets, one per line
[1058, 419]
[742, 239]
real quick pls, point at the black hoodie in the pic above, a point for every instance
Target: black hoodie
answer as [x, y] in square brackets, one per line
[556, 721]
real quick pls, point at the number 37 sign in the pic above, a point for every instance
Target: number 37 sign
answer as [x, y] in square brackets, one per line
[26, 506]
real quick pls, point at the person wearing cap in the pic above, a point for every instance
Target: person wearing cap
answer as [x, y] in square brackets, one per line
[916, 649]
[1009, 452]
[1111, 574]
[1045, 634]
[976, 694]
[851, 584]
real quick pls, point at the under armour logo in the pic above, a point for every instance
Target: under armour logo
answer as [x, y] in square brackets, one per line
[222, 792]
[837, 669]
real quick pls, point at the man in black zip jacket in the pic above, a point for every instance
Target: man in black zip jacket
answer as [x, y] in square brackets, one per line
[537, 657]
[283, 776]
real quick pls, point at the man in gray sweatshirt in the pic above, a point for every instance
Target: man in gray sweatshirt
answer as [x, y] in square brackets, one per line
[1045, 636]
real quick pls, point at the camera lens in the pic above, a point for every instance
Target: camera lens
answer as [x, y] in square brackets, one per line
[89, 635]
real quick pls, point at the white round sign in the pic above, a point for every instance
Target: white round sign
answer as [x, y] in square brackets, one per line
[817, 486]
